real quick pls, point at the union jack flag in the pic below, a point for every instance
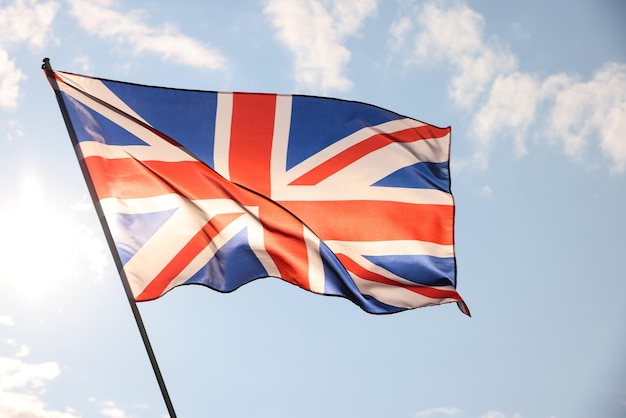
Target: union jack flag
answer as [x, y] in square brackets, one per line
[337, 197]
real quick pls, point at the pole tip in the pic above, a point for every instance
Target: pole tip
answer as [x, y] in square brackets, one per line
[46, 64]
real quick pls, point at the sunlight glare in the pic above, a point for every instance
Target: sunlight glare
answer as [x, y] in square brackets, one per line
[39, 242]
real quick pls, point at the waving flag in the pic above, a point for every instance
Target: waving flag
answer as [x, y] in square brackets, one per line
[219, 189]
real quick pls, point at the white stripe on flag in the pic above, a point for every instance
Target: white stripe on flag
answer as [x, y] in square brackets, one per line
[380, 163]
[163, 246]
[397, 247]
[391, 294]
[97, 88]
[158, 149]
[314, 259]
[398, 296]
[345, 143]
[223, 123]
[208, 252]
[342, 191]
[280, 141]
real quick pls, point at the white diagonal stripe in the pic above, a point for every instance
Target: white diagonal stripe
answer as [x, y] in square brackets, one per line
[160, 249]
[158, 149]
[398, 296]
[180, 228]
[345, 143]
[96, 88]
[380, 163]
[208, 252]
[391, 294]
[141, 205]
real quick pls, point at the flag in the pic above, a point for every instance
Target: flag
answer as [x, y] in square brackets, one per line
[198, 187]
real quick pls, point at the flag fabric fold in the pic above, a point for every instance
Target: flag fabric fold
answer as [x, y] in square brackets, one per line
[198, 187]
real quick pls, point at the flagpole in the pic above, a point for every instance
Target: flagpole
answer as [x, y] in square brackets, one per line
[96, 202]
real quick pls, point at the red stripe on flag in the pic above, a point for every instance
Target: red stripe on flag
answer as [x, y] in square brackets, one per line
[284, 242]
[127, 178]
[341, 220]
[376, 220]
[252, 132]
[431, 292]
[361, 149]
[186, 255]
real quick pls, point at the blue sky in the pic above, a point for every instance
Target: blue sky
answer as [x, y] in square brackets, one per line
[535, 93]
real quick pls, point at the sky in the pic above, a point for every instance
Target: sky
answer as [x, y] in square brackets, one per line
[535, 92]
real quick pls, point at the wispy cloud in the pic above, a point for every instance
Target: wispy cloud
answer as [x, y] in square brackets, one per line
[15, 373]
[23, 351]
[84, 63]
[498, 414]
[456, 35]
[19, 381]
[112, 411]
[27, 21]
[315, 31]
[109, 409]
[93, 249]
[493, 414]
[18, 404]
[101, 18]
[507, 103]
[574, 113]
[22, 22]
[10, 78]
[6, 320]
[584, 110]
[438, 412]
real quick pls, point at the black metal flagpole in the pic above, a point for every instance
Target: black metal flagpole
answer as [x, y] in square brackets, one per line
[129, 294]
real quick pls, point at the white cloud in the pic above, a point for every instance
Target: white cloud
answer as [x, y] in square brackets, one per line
[84, 63]
[594, 109]
[493, 414]
[21, 22]
[24, 405]
[15, 373]
[109, 409]
[399, 31]
[498, 414]
[486, 191]
[506, 103]
[17, 379]
[94, 250]
[502, 113]
[575, 113]
[127, 27]
[11, 126]
[85, 204]
[6, 320]
[27, 21]
[510, 108]
[23, 351]
[10, 78]
[315, 31]
[456, 35]
[113, 412]
[436, 412]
